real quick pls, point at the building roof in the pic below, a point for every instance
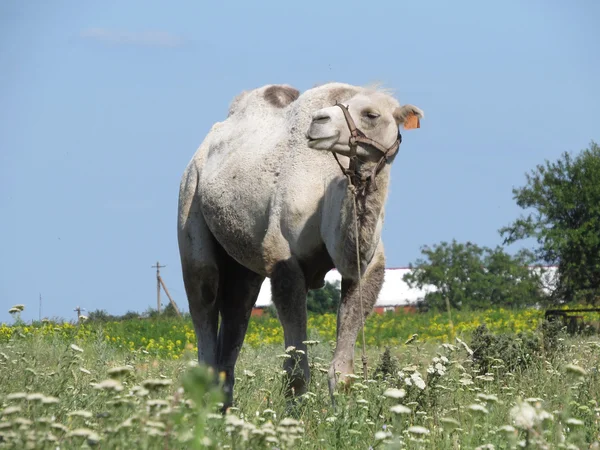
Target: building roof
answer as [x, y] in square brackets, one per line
[395, 292]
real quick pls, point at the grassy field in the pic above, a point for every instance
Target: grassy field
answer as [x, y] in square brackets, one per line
[170, 338]
[64, 386]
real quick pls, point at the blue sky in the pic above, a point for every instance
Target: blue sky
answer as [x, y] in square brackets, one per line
[102, 105]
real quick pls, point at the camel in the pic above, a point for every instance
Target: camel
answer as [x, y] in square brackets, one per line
[271, 192]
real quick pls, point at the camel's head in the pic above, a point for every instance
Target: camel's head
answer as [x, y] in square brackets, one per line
[376, 114]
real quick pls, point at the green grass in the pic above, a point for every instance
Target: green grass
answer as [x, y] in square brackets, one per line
[182, 414]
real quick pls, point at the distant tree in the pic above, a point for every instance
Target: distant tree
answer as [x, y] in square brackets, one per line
[474, 277]
[100, 315]
[129, 315]
[564, 197]
[324, 300]
[169, 311]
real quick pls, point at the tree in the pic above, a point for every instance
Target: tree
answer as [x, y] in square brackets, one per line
[565, 199]
[469, 276]
[324, 300]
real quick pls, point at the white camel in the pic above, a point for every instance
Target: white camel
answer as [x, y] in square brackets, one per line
[263, 196]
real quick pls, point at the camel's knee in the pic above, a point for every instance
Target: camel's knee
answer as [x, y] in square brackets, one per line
[373, 282]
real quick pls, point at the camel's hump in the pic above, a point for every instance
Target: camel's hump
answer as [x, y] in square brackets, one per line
[280, 96]
[276, 96]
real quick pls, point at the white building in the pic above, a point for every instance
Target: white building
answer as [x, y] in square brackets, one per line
[395, 292]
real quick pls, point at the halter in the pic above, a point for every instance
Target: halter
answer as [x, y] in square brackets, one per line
[358, 137]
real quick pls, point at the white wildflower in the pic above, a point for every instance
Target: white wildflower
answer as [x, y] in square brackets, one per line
[119, 371]
[155, 424]
[381, 435]
[35, 397]
[10, 410]
[16, 396]
[22, 421]
[109, 385]
[81, 413]
[418, 430]
[157, 402]
[526, 416]
[50, 400]
[394, 393]
[465, 346]
[153, 384]
[400, 409]
[575, 422]
[449, 422]
[476, 407]
[76, 348]
[441, 370]
[59, 426]
[575, 369]
[288, 422]
[490, 398]
[417, 380]
[80, 432]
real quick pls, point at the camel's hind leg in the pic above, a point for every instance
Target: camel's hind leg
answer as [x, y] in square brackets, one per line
[199, 250]
[288, 290]
[239, 290]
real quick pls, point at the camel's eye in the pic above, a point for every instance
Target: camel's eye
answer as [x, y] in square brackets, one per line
[371, 115]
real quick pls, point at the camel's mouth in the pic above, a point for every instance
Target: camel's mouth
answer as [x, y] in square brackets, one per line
[321, 142]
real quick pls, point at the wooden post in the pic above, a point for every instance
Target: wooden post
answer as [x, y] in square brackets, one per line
[159, 283]
[169, 295]
[158, 267]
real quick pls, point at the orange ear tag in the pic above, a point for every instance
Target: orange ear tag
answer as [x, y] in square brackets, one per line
[411, 121]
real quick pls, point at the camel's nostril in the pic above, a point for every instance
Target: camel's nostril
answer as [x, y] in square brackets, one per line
[321, 118]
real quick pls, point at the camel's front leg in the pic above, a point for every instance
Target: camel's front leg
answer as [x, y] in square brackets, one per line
[349, 320]
[288, 290]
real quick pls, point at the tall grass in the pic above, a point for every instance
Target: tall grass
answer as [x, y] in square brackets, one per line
[430, 395]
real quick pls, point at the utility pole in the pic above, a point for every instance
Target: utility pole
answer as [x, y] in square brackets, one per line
[158, 267]
[159, 283]
[40, 319]
[78, 310]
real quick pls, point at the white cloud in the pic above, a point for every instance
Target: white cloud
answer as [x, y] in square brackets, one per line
[145, 38]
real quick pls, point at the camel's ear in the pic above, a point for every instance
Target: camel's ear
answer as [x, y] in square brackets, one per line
[408, 115]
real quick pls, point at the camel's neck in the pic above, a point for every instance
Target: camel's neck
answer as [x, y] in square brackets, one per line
[369, 212]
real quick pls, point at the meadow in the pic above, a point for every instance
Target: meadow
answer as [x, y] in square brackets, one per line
[512, 384]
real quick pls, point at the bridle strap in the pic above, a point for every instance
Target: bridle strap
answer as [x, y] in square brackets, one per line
[358, 137]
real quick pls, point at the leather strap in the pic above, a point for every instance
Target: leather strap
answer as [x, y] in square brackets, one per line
[358, 137]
